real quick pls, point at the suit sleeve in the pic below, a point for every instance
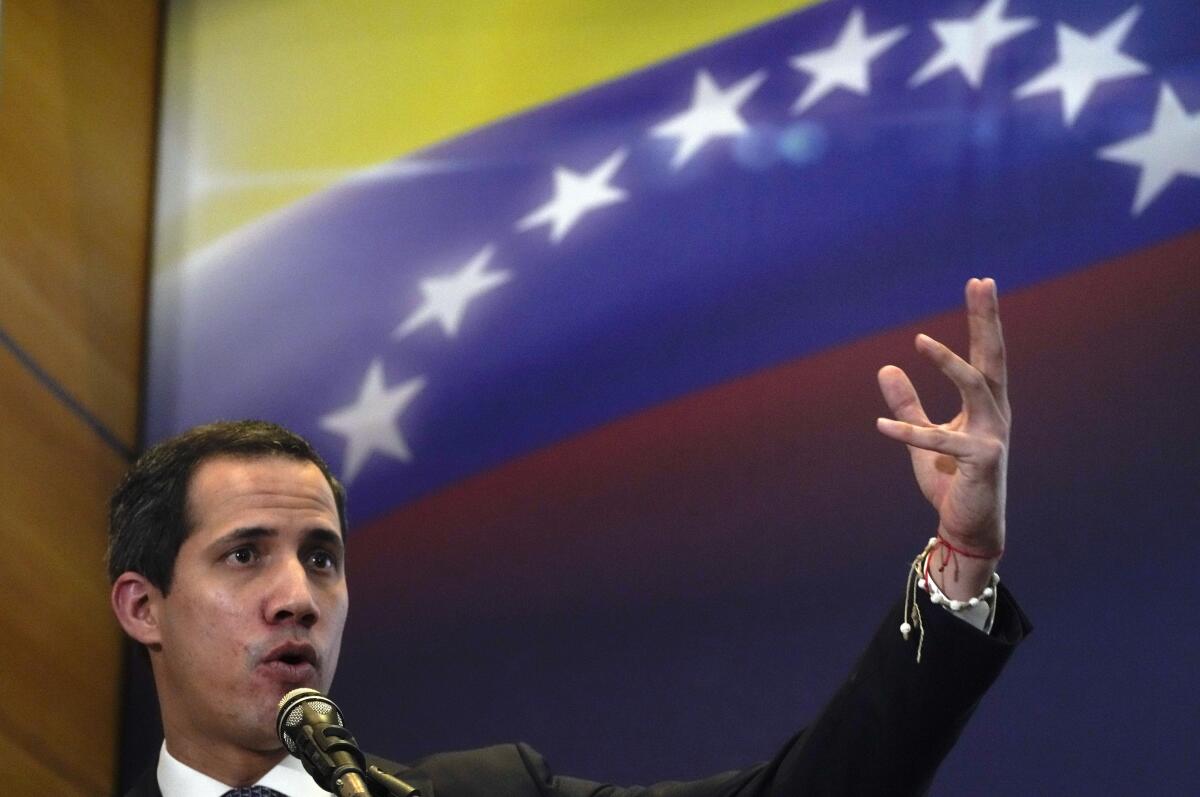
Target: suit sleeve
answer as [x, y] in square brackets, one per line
[884, 732]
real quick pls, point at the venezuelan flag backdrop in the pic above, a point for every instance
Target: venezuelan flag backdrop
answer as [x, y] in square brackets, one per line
[584, 302]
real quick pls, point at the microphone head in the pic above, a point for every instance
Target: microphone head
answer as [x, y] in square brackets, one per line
[292, 708]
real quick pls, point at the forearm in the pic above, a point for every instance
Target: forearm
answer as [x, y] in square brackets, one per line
[888, 728]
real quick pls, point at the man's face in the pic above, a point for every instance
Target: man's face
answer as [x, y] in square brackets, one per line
[257, 601]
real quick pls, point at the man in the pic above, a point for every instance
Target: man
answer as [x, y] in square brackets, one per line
[226, 557]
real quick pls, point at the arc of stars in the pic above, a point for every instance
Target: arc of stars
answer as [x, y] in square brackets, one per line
[1169, 149]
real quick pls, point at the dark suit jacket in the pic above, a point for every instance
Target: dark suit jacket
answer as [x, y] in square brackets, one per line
[884, 733]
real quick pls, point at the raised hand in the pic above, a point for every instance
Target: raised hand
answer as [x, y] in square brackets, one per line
[961, 465]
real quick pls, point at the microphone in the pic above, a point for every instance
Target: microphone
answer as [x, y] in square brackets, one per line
[310, 727]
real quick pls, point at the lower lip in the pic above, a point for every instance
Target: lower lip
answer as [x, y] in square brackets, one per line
[289, 673]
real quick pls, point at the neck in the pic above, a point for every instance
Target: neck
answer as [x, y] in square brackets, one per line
[233, 766]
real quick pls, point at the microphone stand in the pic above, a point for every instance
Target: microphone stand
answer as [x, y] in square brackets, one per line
[382, 784]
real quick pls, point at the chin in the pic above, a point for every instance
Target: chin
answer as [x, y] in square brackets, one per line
[260, 732]
[263, 709]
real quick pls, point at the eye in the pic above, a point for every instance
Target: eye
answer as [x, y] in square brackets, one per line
[242, 556]
[322, 560]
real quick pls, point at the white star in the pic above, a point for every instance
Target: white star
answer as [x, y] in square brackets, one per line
[846, 63]
[967, 43]
[713, 114]
[575, 194]
[1171, 148]
[1083, 62]
[369, 424]
[446, 298]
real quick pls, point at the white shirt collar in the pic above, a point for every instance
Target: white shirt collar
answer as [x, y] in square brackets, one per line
[177, 779]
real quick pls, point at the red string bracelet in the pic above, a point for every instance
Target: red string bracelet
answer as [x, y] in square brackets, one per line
[953, 554]
[994, 555]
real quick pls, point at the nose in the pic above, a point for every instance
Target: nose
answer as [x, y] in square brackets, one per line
[291, 598]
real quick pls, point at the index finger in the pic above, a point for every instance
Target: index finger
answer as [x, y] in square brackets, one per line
[987, 339]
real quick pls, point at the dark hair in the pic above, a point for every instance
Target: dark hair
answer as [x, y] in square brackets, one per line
[147, 518]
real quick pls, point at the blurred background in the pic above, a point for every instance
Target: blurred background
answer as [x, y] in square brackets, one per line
[584, 303]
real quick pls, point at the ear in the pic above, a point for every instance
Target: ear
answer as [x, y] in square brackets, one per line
[137, 603]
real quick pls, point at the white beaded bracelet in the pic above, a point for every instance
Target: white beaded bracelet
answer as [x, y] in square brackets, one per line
[936, 596]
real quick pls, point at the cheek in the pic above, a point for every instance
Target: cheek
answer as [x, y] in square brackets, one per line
[335, 612]
[215, 635]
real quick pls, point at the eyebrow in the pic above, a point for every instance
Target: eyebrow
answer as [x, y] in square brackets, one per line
[251, 533]
[326, 536]
[246, 534]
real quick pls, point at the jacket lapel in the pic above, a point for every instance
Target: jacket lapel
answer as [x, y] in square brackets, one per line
[146, 785]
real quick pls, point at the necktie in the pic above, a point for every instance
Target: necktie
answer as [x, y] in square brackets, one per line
[253, 791]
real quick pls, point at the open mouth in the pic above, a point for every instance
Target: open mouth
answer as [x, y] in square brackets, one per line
[292, 659]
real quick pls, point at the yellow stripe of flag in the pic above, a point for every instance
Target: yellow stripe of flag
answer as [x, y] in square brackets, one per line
[269, 100]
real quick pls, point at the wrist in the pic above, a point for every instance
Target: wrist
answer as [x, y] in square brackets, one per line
[968, 586]
[966, 580]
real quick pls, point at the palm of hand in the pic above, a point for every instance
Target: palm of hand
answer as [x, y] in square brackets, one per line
[967, 493]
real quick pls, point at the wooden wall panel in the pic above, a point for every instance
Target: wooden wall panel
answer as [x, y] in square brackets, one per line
[61, 657]
[77, 97]
[32, 775]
